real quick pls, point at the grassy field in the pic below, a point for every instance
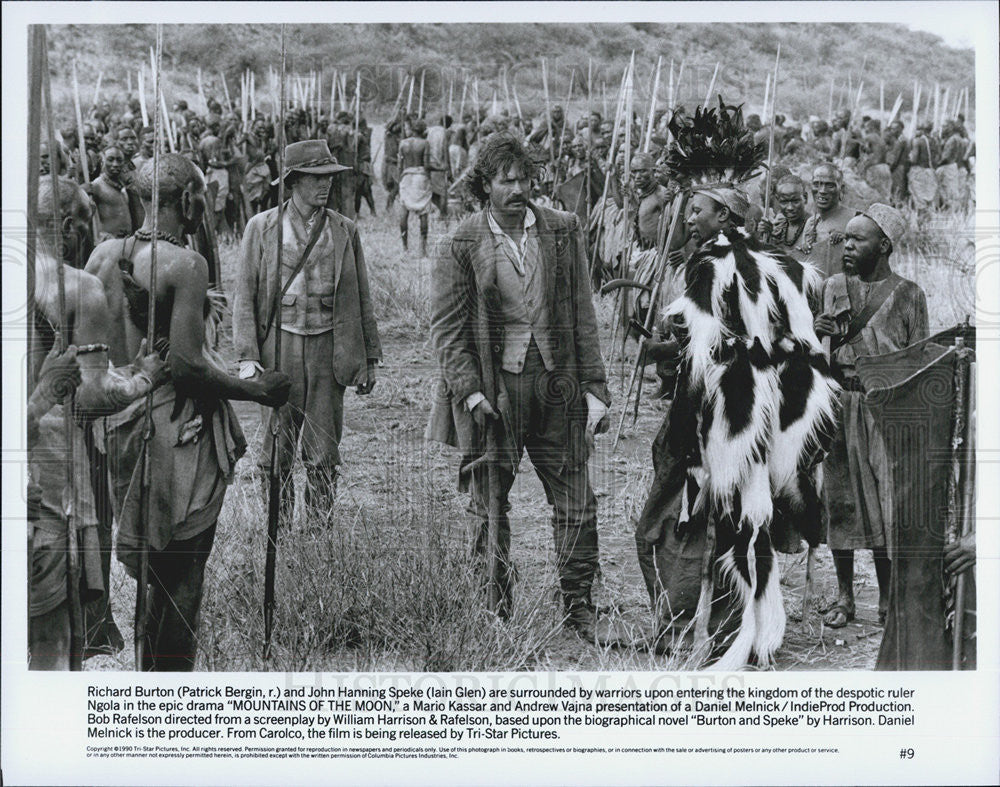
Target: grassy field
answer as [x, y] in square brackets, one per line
[385, 584]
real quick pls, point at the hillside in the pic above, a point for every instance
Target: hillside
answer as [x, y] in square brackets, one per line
[811, 56]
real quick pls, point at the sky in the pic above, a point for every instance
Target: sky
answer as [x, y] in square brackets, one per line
[957, 30]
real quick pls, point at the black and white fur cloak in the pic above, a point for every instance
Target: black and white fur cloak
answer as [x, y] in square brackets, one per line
[753, 415]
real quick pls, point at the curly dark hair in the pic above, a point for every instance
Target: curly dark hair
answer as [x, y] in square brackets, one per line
[499, 152]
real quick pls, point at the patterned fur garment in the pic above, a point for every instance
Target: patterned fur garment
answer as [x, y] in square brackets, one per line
[753, 414]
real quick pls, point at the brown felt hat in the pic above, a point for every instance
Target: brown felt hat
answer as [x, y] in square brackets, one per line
[311, 156]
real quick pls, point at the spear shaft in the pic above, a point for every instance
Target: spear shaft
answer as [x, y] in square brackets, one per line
[274, 480]
[76, 629]
[770, 137]
[145, 495]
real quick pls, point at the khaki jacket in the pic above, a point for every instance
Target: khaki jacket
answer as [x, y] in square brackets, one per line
[356, 339]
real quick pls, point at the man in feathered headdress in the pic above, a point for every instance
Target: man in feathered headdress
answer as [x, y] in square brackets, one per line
[738, 455]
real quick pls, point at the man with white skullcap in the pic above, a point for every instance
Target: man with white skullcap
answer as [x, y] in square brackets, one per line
[867, 310]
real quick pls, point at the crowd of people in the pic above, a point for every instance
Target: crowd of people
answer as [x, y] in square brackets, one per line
[548, 194]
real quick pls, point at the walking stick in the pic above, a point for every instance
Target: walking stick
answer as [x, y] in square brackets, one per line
[146, 468]
[273, 477]
[95, 220]
[76, 630]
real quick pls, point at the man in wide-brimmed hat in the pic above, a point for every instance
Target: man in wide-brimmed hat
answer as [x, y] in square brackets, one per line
[328, 331]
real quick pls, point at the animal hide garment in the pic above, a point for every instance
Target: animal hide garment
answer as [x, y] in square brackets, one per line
[755, 409]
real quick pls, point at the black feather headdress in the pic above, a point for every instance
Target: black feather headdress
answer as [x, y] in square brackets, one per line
[715, 147]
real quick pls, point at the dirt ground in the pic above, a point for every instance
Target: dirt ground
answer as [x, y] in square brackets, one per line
[388, 466]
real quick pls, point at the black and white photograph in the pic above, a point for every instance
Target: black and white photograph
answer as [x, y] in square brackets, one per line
[546, 347]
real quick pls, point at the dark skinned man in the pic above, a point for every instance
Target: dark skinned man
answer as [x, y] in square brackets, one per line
[856, 493]
[196, 439]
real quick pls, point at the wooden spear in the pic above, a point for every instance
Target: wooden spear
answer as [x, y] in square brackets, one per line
[829, 110]
[274, 477]
[420, 102]
[409, 98]
[648, 141]
[201, 95]
[711, 85]
[76, 625]
[142, 98]
[770, 139]
[146, 495]
[81, 142]
[548, 117]
[461, 102]
[97, 88]
[225, 91]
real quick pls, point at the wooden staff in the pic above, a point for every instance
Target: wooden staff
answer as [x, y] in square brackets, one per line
[506, 90]
[896, 106]
[146, 463]
[81, 143]
[944, 105]
[36, 61]
[770, 138]
[607, 183]
[670, 99]
[652, 107]
[142, 98]
[829, 109]
[333, 95]
[955, 521]
[711, 84]
[243, 101]
[562, 134]
[968, 501]
[548, 117]
[590, 139]
[767, 95]
[97, 88]
[225, 92]
[420, 103]
[128, 76]
[626, 258]
[357, 116]
[937, 105]
[461, 103]
[916, 109]
[451, 95]
[517, 105]
[398, 102]
[662, 264]
[201, 95]
[168, 126]
[409, 98]
[69, 501]
[274, 479]
[95, 219]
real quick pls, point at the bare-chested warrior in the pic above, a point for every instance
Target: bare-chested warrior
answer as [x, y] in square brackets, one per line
[196, 439]
[415, 182]
[110, 197]
[102, 390]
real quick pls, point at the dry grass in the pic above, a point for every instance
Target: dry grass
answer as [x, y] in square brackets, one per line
[386, 584]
